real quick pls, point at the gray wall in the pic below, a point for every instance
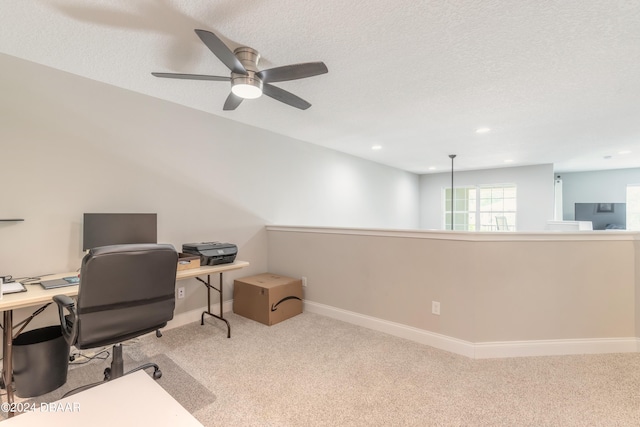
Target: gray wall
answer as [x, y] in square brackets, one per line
[608, 186]
[534, 186]
[71, 145]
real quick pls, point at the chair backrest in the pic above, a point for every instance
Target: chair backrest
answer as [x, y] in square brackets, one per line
[501, 223]
[125, 291]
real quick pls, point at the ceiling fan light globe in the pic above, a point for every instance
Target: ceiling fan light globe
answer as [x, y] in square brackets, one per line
[246, 91]
[247, 87]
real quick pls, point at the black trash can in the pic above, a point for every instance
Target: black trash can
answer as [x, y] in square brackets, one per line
[40, 361]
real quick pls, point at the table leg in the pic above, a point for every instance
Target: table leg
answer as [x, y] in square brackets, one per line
[221, 316]
[7, 354]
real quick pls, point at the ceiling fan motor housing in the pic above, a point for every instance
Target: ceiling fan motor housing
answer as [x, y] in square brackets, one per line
[249, 59]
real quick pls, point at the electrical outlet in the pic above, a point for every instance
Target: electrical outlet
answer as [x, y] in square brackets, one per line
[304, 282]
[435, 307]
[181, 292]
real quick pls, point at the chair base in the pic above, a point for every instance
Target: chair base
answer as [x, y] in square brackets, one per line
[116, 371]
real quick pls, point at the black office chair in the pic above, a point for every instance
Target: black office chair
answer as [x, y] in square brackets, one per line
[125, 291]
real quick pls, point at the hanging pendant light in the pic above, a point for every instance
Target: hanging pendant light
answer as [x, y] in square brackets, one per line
[452, 156]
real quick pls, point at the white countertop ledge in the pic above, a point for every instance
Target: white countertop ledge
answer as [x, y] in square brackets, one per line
[469, 236]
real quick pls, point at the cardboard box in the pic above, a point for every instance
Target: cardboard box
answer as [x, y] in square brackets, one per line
[267, 298]
[188, 261]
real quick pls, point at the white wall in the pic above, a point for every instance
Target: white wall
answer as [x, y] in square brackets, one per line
[608, 186]
[534, 186]
[70, 145]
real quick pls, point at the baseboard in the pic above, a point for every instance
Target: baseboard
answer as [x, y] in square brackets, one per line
[482, 350]
[191, 316]
[442, 342]
[486, 350]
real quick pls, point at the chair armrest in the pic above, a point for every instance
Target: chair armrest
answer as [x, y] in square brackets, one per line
[70, 332]
[65, 301]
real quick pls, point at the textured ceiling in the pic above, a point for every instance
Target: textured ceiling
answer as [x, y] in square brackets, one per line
[556, 81]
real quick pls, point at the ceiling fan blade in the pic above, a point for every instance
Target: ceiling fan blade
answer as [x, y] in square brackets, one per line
[292, 72]
[222, 51]
[192, 77]
[232, 102]
[284, 96]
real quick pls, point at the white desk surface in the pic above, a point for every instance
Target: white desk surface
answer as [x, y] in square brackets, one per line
[210, 269]
[133, 399]
[37, 295]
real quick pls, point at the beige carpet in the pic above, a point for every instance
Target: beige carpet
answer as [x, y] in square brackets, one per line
[314, 371]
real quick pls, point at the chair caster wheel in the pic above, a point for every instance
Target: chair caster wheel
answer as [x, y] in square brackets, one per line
[157, 374]
[158, 333]
[107, 374]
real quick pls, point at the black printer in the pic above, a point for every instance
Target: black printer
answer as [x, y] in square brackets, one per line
[212, 253]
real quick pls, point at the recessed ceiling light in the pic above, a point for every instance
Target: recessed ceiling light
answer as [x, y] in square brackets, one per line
[432, 168]
[376, 147]
[624, 152]
[483, 130]
[508, 161]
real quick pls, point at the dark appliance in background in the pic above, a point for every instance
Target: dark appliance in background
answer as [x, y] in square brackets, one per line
[212, 253]
[603, 216]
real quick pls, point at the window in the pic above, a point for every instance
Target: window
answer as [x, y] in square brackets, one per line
[481, 208]
[633, 207]
[465, 206]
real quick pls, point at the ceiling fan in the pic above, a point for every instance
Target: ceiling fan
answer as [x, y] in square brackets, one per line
[247, 81]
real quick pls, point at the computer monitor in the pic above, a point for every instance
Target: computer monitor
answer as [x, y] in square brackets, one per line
[103, 229]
